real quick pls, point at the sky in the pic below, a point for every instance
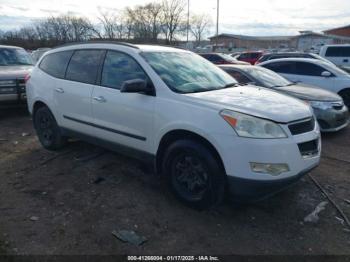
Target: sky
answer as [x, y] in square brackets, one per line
[248, 17]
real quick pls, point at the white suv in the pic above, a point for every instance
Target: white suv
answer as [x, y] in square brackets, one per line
[338, 54]
[202, 131]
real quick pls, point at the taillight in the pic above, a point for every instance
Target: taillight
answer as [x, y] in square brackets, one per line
[26, 78]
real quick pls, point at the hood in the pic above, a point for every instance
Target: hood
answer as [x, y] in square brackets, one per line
[256, 101]
[308, 92]
[13, 72]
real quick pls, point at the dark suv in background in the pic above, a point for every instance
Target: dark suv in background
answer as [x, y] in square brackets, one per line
[221, 59]
[15, 65]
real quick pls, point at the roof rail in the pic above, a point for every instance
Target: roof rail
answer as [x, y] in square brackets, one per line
[98, 42]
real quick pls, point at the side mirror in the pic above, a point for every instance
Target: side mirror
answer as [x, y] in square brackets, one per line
[326, 74]
[136, 86]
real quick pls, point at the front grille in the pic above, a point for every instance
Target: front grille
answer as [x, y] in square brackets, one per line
[16, 87]
[309, 149]
[302, 127]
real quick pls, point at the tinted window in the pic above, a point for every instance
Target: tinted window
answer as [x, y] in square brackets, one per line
[309, 69]
[83, 66]
[119, 67]
[254, 55]
[243, 56]
[55, 64]
[282, 67]
[242, 79]
[339, 51]
[212, 57]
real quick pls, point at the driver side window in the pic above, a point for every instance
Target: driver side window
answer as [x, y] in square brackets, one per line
[118, 68]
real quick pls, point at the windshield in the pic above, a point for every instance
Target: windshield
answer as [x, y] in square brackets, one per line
[267, 77]
[186, 72]
[14, 56]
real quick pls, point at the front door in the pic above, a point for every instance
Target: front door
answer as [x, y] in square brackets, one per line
[122, 118]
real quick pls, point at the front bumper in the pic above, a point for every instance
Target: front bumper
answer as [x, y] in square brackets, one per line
[237, 153]
[249, 190]
[332, 120]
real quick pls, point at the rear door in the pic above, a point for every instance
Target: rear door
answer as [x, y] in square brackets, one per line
[122, 118]
[73, 94]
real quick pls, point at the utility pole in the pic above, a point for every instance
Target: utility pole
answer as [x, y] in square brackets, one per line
[217, 25]
[188, 19]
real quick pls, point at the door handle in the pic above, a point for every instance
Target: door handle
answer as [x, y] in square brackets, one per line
[100, 99]
[59, 90]
[346, 60]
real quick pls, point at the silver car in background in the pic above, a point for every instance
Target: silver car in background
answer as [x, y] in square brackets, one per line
[330, 111]
[15, 65]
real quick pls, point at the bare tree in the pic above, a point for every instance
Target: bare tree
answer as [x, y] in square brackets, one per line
[112, 23]
[145, 20]
[200, 26]
[172, 18]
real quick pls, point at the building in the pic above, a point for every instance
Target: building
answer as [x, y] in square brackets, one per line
[340, 31]
[306, 41]
[311, 41]
[234, 42]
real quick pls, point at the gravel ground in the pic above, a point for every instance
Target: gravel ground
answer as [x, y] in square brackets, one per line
[70, 202]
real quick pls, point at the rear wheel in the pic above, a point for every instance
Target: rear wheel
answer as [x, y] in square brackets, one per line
[345, 94]
[48, 132]
[194, 174]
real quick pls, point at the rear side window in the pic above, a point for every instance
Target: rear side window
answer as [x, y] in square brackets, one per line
[339, 51]
[309, 69]
[212, 57]
[282, 67]
[254, 55]
[118, 68]
[83, 66]
[242, 79]
[55, 64]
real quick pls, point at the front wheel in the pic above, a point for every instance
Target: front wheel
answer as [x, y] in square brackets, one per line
[48, 132]
[345, 94]
[194, 174]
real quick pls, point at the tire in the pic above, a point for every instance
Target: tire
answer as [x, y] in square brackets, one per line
[48, 132]
[194, 174]
[345, 94]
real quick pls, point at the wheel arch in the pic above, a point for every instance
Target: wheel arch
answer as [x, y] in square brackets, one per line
[342, 92]
[38, 104]
[174, 135]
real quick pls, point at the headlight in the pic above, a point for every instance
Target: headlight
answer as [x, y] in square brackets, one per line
[253, 127]
[321, 104]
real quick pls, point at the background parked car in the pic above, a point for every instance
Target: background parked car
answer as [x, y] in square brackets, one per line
[329, 108]
[272, 56]
[314, 72]
[250, 57]
[15, 64]
[220, 59]
[36, 54]
[338, 54]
